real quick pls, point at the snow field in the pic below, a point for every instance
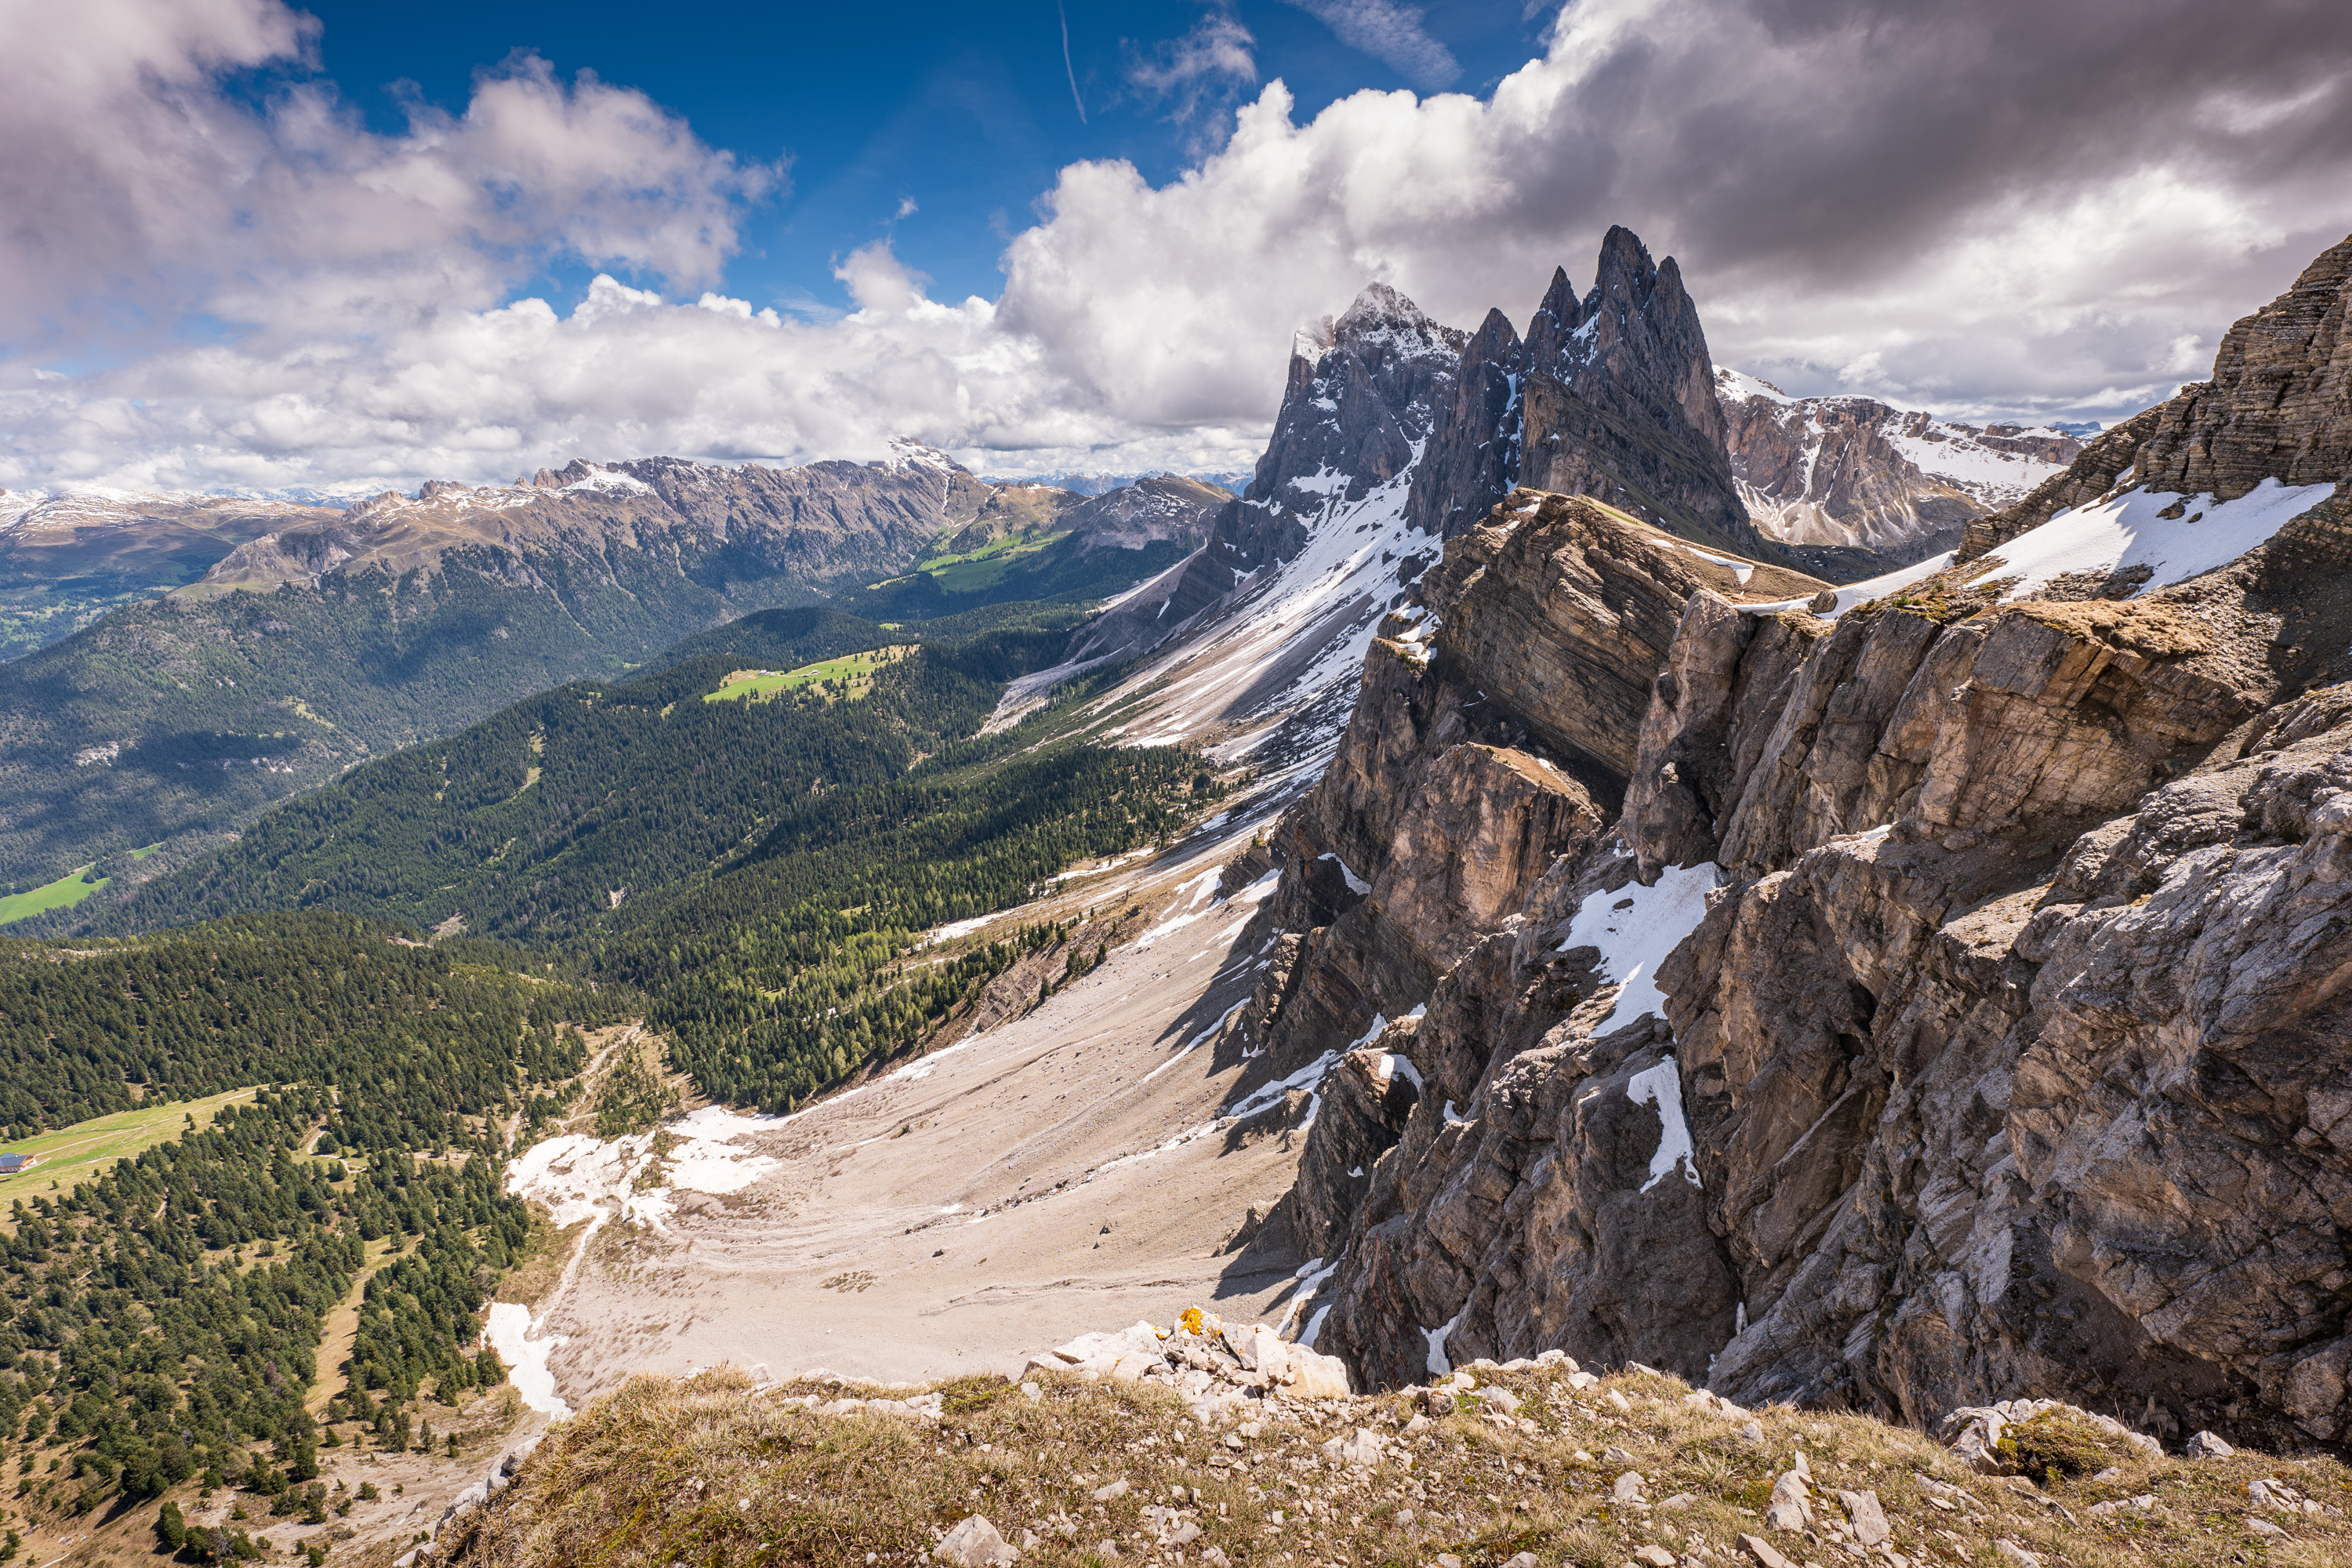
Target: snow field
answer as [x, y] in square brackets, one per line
[2129, 530]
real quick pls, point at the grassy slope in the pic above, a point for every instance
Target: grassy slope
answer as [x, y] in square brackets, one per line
[1056, 569]
[855, 670]
[711, 1471]
[214, 709]
[78, 1153]
[62, 894]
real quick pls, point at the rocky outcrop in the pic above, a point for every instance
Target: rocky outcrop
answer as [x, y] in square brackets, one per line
[1610, 396]
[1954, 1013]
[1491, 736]
[1217, 1367]
[1766, 738]
[1559, 611]
[1855, 471]
[1490, 741]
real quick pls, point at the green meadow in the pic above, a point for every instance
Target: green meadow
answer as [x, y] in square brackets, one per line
[83, 1151]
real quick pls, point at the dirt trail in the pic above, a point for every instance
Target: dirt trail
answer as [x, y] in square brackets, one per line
[343, 1331]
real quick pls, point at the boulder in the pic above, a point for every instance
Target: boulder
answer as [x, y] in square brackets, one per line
[1308, 1376]
[1868, 1518]
[1789, 1508]
[2206, 1446]
[975, 1543]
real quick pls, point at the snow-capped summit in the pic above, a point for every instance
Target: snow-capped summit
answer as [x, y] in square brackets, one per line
[1396, 431]
[1273, 615]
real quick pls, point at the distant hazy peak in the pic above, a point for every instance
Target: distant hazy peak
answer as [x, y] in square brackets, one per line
[1851, 471]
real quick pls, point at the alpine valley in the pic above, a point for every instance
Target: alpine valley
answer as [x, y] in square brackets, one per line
[1605, 964]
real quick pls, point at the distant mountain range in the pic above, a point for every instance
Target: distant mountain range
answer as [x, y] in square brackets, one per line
[1094, 484]
[225, 654]
[67, 560]
[1855, 471]
[309, 639]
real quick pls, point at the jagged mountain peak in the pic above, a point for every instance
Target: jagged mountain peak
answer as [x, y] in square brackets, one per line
[1611, 397]
[1626, 275]
[1996, 828]
[1555, 322]
[1382, 310]
[1495, 337]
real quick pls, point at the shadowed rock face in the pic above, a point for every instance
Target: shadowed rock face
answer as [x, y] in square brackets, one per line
[2008, 1051]
[1397, 434]
[1359, 400]
[1610, 396]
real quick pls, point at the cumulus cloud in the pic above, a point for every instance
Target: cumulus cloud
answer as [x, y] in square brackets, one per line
[1390, 32]
[135, 190]
[2005, 208]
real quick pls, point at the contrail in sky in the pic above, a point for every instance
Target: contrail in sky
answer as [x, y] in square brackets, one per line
[1081, 102]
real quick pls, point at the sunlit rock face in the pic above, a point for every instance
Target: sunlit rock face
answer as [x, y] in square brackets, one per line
[1934, 1000]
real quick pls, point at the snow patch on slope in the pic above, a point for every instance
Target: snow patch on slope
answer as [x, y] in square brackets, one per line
[1313, 616]
[1635, 928]
[2127, 531]
[1662, 1086]
[1634, 940]
[508, 1333]
[1861, 592]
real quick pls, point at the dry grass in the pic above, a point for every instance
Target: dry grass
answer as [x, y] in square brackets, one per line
[2157, 627]
[541, 1265]
[713, 1473]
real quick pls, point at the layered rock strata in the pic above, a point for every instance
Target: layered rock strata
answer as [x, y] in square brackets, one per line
[1856, 471]
[1957, 1010]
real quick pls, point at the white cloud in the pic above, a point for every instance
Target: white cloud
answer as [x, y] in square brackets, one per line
[1196, 76]
[1390, 32]
[131, 179]
[1900, 199]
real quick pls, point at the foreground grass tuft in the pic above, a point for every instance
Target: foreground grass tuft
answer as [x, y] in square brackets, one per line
[717, 1473]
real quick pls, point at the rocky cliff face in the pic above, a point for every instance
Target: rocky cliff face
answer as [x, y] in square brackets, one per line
[1854, 471]
[1362, 395]
[1611, 395]
[1396, 434]
[1956, 1007]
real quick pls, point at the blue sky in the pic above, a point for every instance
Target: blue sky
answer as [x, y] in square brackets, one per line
[244, 245]
[966, 111]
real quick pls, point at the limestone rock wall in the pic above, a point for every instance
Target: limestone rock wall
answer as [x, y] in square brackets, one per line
[2005, 1057]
